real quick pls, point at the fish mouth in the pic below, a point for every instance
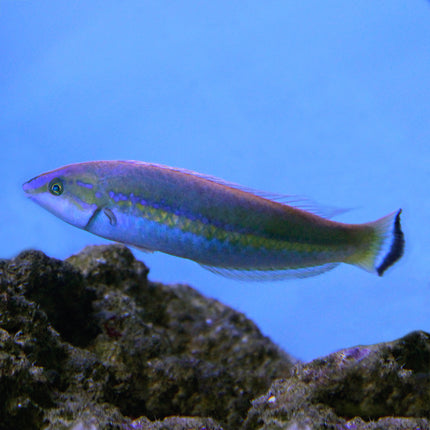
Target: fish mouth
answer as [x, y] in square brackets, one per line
[33, 186]
[26, 186]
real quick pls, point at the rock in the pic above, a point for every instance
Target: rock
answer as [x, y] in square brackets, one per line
[90, 343]
[364, 387]
[176, 423]
[59, 289]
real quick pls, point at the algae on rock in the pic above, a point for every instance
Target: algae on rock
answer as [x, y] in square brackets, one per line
[363, 388]
[92, 339]
[91, 343]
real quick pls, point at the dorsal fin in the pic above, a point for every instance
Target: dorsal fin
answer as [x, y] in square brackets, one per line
[299, 202]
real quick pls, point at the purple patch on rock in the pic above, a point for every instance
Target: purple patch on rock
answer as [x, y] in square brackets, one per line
[357, 353]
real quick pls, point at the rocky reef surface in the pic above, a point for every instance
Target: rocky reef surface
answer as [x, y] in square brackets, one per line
[90, 343]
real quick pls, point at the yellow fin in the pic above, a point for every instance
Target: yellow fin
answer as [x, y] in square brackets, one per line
[386, 247]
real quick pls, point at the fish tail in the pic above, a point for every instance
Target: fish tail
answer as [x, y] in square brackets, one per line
[384, 245]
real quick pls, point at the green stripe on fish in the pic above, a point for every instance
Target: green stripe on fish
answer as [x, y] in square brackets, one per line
[227, 229]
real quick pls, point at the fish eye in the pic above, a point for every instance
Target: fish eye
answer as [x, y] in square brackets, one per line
[56, 187]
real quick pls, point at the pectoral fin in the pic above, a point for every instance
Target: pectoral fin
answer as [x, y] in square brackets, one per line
[111, 216]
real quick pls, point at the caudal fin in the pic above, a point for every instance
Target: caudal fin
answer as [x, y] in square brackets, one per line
[397, 246]
[386, 245]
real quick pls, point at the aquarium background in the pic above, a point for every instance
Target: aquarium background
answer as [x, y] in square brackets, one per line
[329, 100]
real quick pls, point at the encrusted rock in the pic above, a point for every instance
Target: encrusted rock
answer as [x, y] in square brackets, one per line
[91, 343]
[356, 388]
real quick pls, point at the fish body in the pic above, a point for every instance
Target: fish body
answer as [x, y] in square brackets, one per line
[219, 225]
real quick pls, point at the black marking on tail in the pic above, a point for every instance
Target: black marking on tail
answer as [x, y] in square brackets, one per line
[397, 247]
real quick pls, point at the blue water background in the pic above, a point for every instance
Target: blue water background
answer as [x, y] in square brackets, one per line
[329, 100]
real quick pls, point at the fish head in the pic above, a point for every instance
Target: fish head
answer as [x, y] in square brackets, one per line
[72, 192]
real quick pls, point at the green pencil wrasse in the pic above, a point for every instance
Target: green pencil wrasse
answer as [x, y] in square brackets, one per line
[226, 229]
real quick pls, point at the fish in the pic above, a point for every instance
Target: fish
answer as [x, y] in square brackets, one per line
[226, 228]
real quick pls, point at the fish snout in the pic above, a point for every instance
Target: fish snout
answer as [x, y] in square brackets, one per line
[27, 187]
[35, 185]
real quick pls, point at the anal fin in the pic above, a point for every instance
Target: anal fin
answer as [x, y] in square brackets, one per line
[270, 274]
